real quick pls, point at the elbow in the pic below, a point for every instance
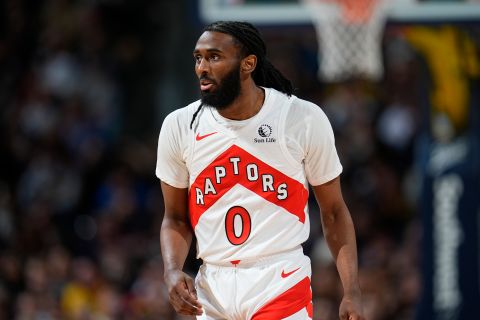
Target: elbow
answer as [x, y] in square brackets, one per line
[175, 222]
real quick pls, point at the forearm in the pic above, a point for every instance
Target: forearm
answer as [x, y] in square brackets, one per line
[175, 241]
[340, 236]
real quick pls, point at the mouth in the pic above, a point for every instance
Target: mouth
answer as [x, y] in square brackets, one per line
[206, 85]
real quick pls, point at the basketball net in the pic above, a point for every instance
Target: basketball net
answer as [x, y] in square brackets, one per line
[349, 36]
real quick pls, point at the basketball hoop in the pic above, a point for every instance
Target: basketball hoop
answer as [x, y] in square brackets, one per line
[349, 36]
[356, 11]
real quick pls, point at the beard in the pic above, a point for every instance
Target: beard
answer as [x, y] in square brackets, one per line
[227, 90]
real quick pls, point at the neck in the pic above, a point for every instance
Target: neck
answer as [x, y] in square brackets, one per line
[248, 103]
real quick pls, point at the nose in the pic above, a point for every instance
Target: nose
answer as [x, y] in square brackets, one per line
[202, 66]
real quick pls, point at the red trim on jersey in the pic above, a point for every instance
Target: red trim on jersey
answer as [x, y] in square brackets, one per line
[294, 203]
[291, 301]
[310, 310]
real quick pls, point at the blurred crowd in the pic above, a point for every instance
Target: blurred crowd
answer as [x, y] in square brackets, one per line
[80, 208]
[79, 204]
[375, 125]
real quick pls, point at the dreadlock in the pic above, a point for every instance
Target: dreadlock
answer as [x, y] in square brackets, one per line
[248, 37]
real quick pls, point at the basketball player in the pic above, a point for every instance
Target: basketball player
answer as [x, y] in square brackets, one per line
[235, 168]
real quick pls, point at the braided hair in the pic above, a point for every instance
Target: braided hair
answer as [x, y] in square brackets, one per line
[250, 41]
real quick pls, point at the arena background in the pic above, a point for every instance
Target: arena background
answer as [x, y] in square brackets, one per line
[85, 85]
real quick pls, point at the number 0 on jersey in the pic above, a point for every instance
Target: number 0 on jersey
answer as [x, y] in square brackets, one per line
[230, 229]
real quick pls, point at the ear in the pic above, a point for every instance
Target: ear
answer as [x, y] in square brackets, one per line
[248, 63]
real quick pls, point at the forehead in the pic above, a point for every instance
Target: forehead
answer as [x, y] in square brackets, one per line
[211, 40]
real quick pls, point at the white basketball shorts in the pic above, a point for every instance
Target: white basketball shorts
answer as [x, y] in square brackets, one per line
[270, 288]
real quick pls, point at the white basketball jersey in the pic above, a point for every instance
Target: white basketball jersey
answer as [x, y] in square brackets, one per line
[247, 180]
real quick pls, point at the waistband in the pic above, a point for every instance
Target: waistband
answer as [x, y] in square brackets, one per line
[258, 261]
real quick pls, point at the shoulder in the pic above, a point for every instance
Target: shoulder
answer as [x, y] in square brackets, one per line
[305, 111]
[180, 118]
[298, 112]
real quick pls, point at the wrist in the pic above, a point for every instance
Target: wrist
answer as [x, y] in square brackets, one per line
[352, 291]
[171, 269]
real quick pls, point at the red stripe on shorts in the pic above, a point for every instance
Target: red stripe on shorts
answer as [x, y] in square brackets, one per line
[291, 301]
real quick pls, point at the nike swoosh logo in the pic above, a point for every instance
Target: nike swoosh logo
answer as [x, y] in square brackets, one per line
[284, 275]
[199, 137]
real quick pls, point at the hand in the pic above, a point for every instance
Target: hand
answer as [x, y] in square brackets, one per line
[182, 293]
[351, 307]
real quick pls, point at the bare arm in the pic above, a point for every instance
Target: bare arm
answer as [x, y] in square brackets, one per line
[175, 233]
[340, 236]
[175, 240]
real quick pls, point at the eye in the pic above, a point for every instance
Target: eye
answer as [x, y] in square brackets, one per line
[197, 58]
[214, 57]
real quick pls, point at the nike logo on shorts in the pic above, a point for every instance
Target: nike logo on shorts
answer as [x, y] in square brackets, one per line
[199, 137]
[284, 275]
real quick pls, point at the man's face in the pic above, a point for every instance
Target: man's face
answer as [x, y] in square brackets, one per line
[217, 65]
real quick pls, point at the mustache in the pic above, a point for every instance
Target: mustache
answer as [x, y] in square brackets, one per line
[204, 77]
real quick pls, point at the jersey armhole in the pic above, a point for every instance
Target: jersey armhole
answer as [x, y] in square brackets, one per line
[191, 137]
[282, 129]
